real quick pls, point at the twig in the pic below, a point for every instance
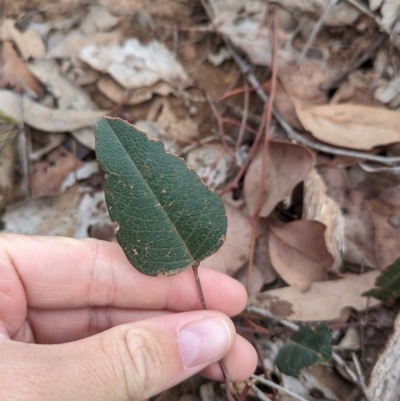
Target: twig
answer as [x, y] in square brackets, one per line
[277, 387]
[293, 326]
[268, 315]
[316, 29]
[359, 371]
[244, 116]
[334, 83]
[292, 134]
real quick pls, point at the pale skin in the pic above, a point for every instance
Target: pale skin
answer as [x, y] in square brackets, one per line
[78, 322]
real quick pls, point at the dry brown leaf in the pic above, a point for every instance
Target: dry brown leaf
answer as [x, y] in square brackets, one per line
[325, 301]
[350, 125]
[52, 120]
[287, 165]
[234, 253]
[48, 174]
[15, 73]
[28, 42]
[319, 206]
[304, 81]
[169, 124]
[298, 252]
[108, 87]
[386, 222]
[358, 228]
[284, 105]
[56, 215]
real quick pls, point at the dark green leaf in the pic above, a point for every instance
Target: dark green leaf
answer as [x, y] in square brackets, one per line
[387, 284]
[168, 218]
[305, 347]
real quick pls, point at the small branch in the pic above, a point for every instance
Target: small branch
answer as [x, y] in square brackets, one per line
[244, 116]
[271, 384]
[292, 134]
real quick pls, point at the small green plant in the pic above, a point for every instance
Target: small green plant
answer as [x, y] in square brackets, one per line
[387, 284]
[304, 348]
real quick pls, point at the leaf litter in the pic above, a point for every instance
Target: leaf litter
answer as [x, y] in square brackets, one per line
[329, 215]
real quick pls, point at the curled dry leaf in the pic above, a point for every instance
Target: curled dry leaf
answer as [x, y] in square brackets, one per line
[324, 301]
[15, 73]
[28, 42]
[234, 252]
[48, 174]
[169, 124]
[287, 165]
[350, 125]
[359, 247]
[56, 215]
[298, 252]
[68, 94]
[134, 65]
[24, 110]
[319, 206]
[116, 93]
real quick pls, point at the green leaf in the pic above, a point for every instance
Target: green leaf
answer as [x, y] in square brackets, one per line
[387, 284]
[304, 348]
[168, 218]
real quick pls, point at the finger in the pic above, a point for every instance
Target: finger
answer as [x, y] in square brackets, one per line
[240, 362]
[133, 361]
[59, 273]
[62, 326]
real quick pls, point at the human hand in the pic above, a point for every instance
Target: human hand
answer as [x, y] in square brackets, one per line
[120, 335]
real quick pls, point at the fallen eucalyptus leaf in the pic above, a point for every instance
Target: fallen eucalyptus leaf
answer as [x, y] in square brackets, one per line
[287, 165]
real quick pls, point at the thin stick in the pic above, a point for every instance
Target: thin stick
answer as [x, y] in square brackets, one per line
[244, 116]
[292, 134]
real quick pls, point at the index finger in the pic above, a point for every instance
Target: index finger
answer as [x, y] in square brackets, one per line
[60, 273]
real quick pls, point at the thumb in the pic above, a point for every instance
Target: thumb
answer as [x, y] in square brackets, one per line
[128, 362]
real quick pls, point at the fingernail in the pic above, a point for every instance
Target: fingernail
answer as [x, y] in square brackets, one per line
[202, 341]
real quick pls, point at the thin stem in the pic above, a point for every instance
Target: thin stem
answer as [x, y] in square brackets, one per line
[227, 378]
[195, 268]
